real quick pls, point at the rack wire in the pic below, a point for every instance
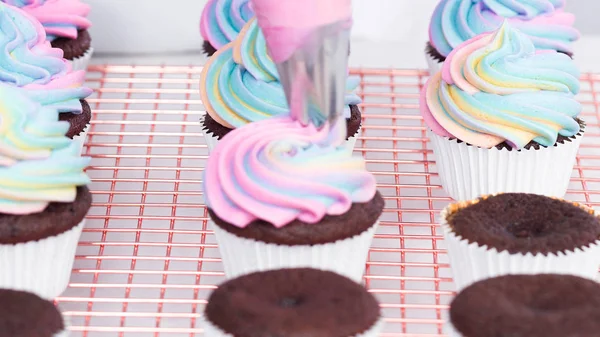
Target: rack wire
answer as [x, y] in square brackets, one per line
[148, 259]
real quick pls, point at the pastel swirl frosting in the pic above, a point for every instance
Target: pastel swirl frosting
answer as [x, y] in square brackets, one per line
[60, 18]
[548, 26]
[496, 88]
[222, 20]
[240, 83]
[273, 171]
[38, 164]
[30, 62]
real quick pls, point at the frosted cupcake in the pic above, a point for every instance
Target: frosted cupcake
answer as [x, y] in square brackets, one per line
[30, 62]
[24, 314]
[281, 198]
[456, 21]
[43, 198]
[240, 84]
[292, 302]
[517, 233]
[66, 25]
[503, 117]
[222, 21]
[523, 305]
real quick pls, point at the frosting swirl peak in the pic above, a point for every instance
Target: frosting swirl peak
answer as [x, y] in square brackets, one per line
[30, 62]
[496, 88]
[273, 170]
[240, 83]
[38, 164]
[60, 18]
[456, 21]
[222, 20]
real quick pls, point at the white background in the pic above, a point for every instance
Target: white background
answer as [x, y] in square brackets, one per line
[387, 33]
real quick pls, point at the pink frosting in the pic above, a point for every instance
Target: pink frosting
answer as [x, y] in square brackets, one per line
[287, 24]
[273, 170]
[61, 18]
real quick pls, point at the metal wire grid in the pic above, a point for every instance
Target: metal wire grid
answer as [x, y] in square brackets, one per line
[148, 259]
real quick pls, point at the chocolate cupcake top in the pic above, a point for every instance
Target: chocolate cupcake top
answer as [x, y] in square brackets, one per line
[528, 305]
[24, 314]
[294, 303]
[524, 223]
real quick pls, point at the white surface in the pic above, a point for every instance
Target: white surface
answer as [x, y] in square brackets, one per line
[142, 26]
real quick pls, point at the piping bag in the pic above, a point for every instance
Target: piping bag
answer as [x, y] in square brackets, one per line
[309, 42]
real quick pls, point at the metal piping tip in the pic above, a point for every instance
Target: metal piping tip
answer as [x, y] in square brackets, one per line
[314, 77]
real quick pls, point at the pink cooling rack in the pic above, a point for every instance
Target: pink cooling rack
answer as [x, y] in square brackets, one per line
[147, 259]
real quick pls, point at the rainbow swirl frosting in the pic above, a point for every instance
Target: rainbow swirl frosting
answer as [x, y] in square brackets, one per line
[240, 83]
[548, 26]
[60, 18]
[222, 20]
[38, 164]
[30, 62]
[273, 171]
[496, 88]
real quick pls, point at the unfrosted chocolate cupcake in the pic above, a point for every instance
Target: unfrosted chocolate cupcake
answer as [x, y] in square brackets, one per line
[546, 305]
[292, 302]
[520, 234]
[24, 314]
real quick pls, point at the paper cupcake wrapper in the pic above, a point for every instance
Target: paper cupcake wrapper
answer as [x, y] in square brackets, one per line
[450, 331]
[210, 330]
[243, 256]
[82, 62]
[81, 138]
[433, 64]
[212, 141]
[41, 267]
[472, 262]
[64, 333]
[468, 172]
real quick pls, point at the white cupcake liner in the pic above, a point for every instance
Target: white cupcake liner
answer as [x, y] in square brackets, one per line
[468, 172]
[210, 330]
[81, 138]
[243, 256]
[433, 64]
[82, 62]
[41, 267]
[64, 333]
[450, 331]
[212, 141]
[472, 262]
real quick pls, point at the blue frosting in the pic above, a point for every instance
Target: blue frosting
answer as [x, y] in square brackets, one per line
[240, 83]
